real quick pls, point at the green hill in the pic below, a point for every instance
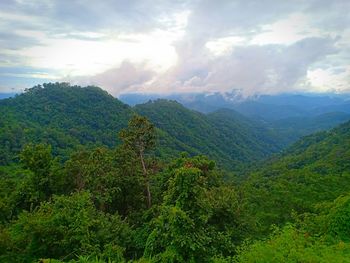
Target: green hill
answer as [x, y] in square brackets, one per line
[316, 169]
[224, 135]
[61, 115]
[67, 117]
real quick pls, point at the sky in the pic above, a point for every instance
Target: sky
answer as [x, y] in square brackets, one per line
[153, 46]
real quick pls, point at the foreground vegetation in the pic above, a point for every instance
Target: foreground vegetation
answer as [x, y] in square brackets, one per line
[125, 204]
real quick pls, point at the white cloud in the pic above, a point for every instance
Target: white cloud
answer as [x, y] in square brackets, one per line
[287, 31]
[256, 46]
[75, 57]
[325, 80]
[251, 69]
[124, 78]
[224, 45]
[36, 75]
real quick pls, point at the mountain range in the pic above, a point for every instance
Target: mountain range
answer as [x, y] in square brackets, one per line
[68, 117]
[290, 115]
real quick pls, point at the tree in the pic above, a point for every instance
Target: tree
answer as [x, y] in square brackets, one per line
[140, 137]
[110, 176]
[181, 232]
[66, 226]
[94, 171]
[38, 159]
[289, 244]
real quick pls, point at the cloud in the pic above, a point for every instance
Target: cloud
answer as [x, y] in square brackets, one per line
[257, 46]
[251, 69]
[12, 41]
[125, 78]
[75, 15]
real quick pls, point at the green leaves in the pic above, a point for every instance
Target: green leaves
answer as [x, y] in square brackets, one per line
[63, 116]
[186, 229]
[339, 219]
[65, 227]
[44, 180]
[139, 135]
[291, 245]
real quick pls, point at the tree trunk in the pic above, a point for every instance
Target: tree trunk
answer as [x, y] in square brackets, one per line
[145, 175]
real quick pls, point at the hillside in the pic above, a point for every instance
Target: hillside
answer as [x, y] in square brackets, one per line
[325, 152]
[225, 136]
[316, 169]
[91, 205]
[61, 115]
[266, 107]
[68, 117]
[290, 116]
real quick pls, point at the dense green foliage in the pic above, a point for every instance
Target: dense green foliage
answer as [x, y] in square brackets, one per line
[91, 204]
[321, 237]
[64, 227]
[70, 117]
[293, 245]
[314, 170]
[139, 138]
[198, 216]
[61, 115]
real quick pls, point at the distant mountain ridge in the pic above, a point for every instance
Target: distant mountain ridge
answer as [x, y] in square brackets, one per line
[266, 107]
[289, 115]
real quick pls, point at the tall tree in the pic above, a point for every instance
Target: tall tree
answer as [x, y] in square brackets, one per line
[38, 159]
[140, 137]
[181, 232]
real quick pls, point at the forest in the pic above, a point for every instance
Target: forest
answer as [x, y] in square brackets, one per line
[87, 178]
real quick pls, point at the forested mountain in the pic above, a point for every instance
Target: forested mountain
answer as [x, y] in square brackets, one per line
[313, 170]
[267, 107]
[225, 136]
[69, 116]
[293, 116]
[61, 115]
[85, 179]
[306, 190]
